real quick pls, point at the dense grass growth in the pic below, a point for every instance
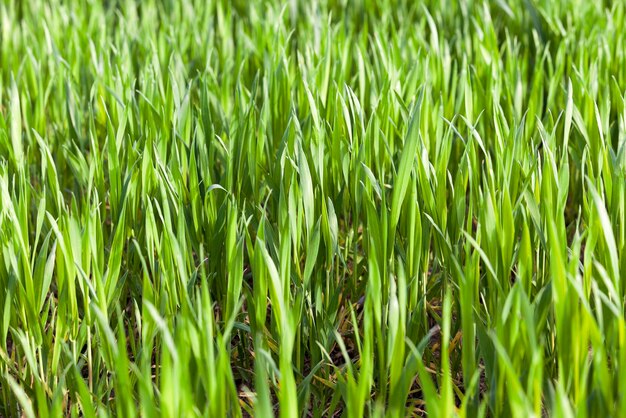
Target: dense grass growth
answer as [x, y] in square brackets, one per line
[312, 209]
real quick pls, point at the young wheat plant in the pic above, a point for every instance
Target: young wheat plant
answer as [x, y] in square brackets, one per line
[312, 208]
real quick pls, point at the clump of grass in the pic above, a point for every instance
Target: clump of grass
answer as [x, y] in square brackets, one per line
[312, 209]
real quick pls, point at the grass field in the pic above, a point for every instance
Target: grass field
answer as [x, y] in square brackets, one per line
[325, 208]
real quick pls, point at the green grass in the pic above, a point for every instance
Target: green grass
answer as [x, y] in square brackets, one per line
[326, 208]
